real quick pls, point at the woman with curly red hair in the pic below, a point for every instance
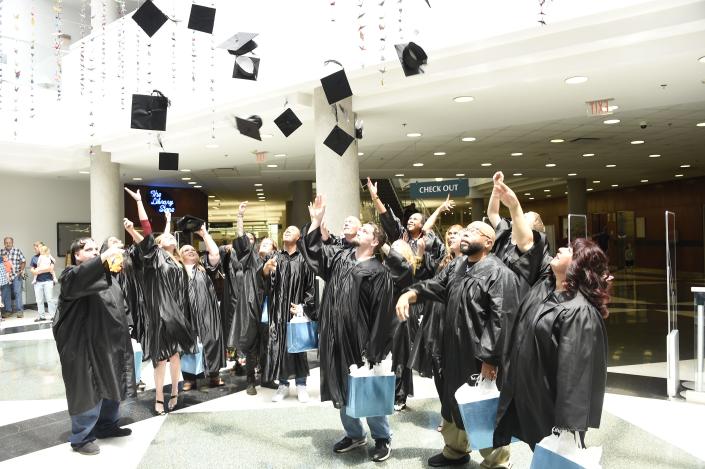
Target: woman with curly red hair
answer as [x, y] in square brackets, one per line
[556, 358]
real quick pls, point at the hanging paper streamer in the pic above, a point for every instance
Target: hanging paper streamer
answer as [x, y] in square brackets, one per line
[361, 29]
[32, 50]
[542, 14]
[332, 10]
[193, 58]
[382, 42]
[85, 29]
[121, 53]
[149, 63]
[400, 7]
[138, 51]
[1, 68]
[16, 95]
[58, 9]
[173, 48]
[212, 87]
[103, 22]
[90, 71]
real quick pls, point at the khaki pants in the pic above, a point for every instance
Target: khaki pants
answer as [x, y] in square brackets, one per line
[456, 446]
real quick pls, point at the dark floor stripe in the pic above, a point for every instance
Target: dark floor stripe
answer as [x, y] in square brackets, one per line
[27, 328]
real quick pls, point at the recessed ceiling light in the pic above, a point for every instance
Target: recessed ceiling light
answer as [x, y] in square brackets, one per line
[610, 165]
[216, 200]
[418, 165]
[611, 121]
[572, 174]
[413, 134]
[612, 108]
[185, 170]
[280, 155]
[548, 196]
[595, 182]
[550, 165]
[212, 145]
[531, 198]
[557, 140]
[215, 208]
[139, 179]
[439, 179]
[644, 180]
[359, 153]
[258, 185]
[272, 166]
[615, 185]
[685, 166]
[589, 189]
[576, 80]
[266, 135]
[211, 197]
[185, 179]
[518, 174]
[259, 189]
[636, 142]
[192, 182]
[566, 192]
[439, 153]
[700, 124]
[547, 190]
[399, 175]
[517, 154]
[486, 164]
[460, 175]
[84, 172]
[463, 99]
[679, 175]
[468, 139]
[588, 154]
[197, 187]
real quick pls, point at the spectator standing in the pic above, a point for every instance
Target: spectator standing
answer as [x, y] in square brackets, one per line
[42, 266]
[18, 261]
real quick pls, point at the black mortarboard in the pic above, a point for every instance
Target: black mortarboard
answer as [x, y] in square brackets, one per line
[189, 223]
[240, 43]
[249, 127]
[412, 57]
[338, 140]
[149, 18]
[336, 87]
[201, 19]
[287, 122]
[246, 68]
[168, 161]
[149, 111]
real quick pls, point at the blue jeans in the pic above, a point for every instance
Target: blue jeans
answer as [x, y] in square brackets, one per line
[6, 297]
[44, 292]
[379, 427]
[16, 286]
[298, 381]
[100, 419]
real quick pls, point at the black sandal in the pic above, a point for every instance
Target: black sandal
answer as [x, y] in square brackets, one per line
[173, 396]
[157, 412]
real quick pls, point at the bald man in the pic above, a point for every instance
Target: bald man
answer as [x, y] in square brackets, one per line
[350, 226]
[479, 292]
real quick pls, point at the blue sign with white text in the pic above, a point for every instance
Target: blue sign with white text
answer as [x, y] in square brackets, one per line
[162, 203]
[438, 190]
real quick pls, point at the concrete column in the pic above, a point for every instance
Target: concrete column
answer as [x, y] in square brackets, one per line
[478, 209]
[107, 203]
[302, 193]
[289, 216]
[577, 196]
[338, 178]
[112, 12]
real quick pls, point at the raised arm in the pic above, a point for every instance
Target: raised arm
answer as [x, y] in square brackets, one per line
[317, 210]
[167, 226]
[444, 207]
[241, 218]
[130, 228]
[372, 188]
[493, 205]
[211, 246]
[141, 212]
[521, 231]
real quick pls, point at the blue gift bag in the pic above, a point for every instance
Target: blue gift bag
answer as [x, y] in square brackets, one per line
[370, 396]
[561, 450]
[193, 363]
[545, 458]
[137, 350]
[301, 336]
[478, 409]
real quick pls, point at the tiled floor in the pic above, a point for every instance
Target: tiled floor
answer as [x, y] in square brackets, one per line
[224, 427]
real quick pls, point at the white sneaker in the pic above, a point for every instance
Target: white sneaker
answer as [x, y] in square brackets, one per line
[302, 393]
[282, 392]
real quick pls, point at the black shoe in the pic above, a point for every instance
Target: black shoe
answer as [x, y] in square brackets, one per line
[382, 451]
[156, 411]
[251, 390]
[173, 398]
[270, 385]
[89, 449]
[348, 444]
[439, 461]
[114, 433]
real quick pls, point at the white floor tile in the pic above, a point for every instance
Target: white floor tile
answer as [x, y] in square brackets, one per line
[17, 411]
[656, 370]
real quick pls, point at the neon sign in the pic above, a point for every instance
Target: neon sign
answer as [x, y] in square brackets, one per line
[160, 203]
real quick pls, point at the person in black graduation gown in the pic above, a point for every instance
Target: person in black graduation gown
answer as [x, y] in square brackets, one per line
[556, 367]
[168, 307]
[350, 226]
[355, 321]
[290, 285]
[93, 342]
[203, 301]
[478, 291]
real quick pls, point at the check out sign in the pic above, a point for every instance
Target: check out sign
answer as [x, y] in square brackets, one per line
[437, 190]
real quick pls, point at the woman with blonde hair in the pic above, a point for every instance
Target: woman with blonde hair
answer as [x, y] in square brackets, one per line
[168, 308]
[42, 267]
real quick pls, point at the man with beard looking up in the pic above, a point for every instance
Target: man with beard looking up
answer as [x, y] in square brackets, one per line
[478, 291]
[350, 226]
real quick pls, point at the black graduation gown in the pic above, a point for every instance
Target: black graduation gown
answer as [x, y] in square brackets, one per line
[244, 330]
[130, 279]
[404, 332]
[293, 281]
[356, 315]
[206, 317]
[476, 298]
[167, 303]
[231, 269]
[556, 371]
[92, 337]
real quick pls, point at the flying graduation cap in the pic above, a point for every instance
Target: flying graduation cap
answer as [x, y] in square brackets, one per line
[412, 58]
[149, 111]
[336, 86]
[287, 122]
[338, 140]
[246, 68]
[240, 43]
[150, 18]
[201, 18]
[250, 126]
[189, 223]
[168, 161]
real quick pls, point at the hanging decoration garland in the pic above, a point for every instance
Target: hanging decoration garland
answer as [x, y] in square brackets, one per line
[212, 83]
[332, 10]
[16, 95]
[400, 6]
[173, 49]
[542, 14]
[90, 70]
[32, 50]
[138, 50]
[103, 22]
[382, 42]
[361, 30]
[193, 58]
[121, 53]
[1, 68]
[85, 27]
[58, 9]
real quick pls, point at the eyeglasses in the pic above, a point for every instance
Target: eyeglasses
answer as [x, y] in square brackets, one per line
[476, 231]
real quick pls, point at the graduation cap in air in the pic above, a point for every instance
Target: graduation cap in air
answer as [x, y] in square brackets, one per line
[412, 58]
[201, 19]
[338, 140]
[250, 126]
[246, 68]
[287, 122]
[336, 87]
[168, 161]
[149, 111]
[150, 18]
[189, 223]
[240, 43]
